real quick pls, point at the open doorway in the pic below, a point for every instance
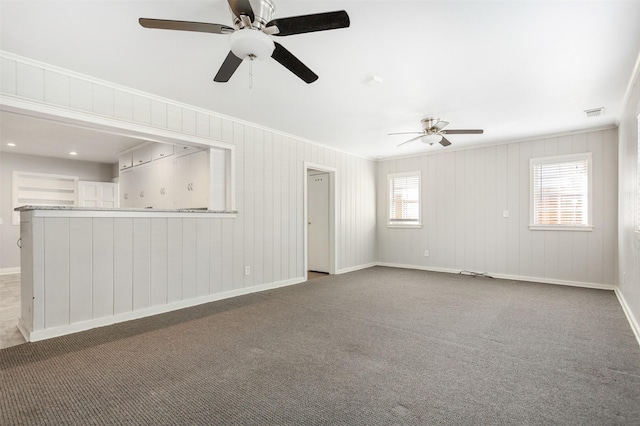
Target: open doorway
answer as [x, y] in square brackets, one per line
[319, 212]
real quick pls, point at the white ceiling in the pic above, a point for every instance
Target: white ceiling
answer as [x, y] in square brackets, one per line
[517, 69]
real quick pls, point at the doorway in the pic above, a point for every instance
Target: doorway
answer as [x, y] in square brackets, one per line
[319, 212]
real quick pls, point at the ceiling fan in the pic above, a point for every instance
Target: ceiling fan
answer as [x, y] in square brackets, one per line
[432, 132]
[251, 37]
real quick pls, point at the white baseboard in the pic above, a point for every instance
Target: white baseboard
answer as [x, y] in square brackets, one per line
[10, 271]
[34, 336]
[355, 268]
[507, 277]
[633, 321]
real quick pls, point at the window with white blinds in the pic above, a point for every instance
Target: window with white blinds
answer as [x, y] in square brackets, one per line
[404, 199]
[561, 192]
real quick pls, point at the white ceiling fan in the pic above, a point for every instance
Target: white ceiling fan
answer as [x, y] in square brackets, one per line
[432, 132]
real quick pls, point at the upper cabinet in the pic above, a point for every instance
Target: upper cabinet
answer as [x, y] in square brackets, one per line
[142, 155]
[125, 161]
[163, 176]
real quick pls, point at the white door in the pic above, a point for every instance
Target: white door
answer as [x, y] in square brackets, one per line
[98, 194]
[318, 221]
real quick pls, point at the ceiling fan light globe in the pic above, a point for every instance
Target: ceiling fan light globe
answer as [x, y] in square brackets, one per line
[431, 139]
[251, 43]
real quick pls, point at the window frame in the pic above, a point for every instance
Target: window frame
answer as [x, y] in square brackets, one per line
[533, 162]
[398, 223]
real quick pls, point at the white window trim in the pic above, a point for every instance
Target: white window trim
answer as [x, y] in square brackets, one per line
[558, 159]
[398, 224]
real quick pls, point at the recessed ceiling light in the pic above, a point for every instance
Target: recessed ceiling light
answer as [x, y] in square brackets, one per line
[73, 153]
[11, 144]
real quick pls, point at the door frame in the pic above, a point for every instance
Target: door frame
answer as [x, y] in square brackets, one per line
[333, 248]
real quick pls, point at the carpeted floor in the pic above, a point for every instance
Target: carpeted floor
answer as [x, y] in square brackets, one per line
[377, 346]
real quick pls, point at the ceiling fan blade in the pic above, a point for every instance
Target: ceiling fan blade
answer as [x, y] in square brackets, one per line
[405, 133]
[439, 125]
[229, 66]
[202, 27]
[464, 132]
[241, 7]
[413, 139]
[293, 64]
[444, 141]
[310, 23]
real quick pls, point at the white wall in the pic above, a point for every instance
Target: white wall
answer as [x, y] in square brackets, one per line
[9, 234]
[464, 194]
[268, 231]
[628, 239]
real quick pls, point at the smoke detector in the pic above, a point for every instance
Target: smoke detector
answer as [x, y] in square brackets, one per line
[595, 112]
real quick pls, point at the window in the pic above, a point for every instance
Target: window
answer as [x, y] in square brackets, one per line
[404, 199]
[561, 192]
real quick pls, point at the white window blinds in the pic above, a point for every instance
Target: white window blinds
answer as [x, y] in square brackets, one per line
[560, 190]
[404, 198]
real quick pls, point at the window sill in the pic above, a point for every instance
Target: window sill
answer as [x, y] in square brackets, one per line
[584, 228]
[404, 225]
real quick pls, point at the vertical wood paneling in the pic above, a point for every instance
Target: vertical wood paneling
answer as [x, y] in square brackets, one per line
[269, 196]
[227, 254]
[56, 271]
[610, 200]
[103, 102]
[249, 205]
[159, 261]
[103, 267]
[141, 109]
[80, 94]
[141, 263]
[122, 265]
[203, 126]
[30, 81]
[174, 260]
[38, 273]
[122, 105]
[513, 205]
[259, 207]
[472, 188]
[501, 205]
[189, 258]
[203, 256]
[238, 228]
[174, 117]
[8, 82]
[277, 207]
[595, 254]
[532, 247]
[189, 121]
[158, 114]
[216, 248]
[56, 88]
[80, 270]
[284, 210]
[490, 223]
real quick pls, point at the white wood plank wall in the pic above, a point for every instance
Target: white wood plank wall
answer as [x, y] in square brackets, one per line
[464, 194]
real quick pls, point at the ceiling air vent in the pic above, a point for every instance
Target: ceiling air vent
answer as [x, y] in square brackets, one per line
[595, 112]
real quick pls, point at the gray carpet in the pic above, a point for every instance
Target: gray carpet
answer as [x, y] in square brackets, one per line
[377, 346]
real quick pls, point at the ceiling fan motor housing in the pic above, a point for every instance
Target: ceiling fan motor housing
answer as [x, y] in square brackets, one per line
[428, 123]
[263, 11]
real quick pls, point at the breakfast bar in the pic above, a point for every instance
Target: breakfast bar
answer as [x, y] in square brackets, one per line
[89, 267]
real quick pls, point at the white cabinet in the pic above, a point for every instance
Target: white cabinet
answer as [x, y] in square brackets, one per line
[192, 180]
[184, 149]
[142, 155]
[125, 161]
[161, 150]
[161, 184]
[125, 182]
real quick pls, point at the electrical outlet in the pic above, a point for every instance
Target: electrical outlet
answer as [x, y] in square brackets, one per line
[426, 253]
[505, 213]
[247, 270]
